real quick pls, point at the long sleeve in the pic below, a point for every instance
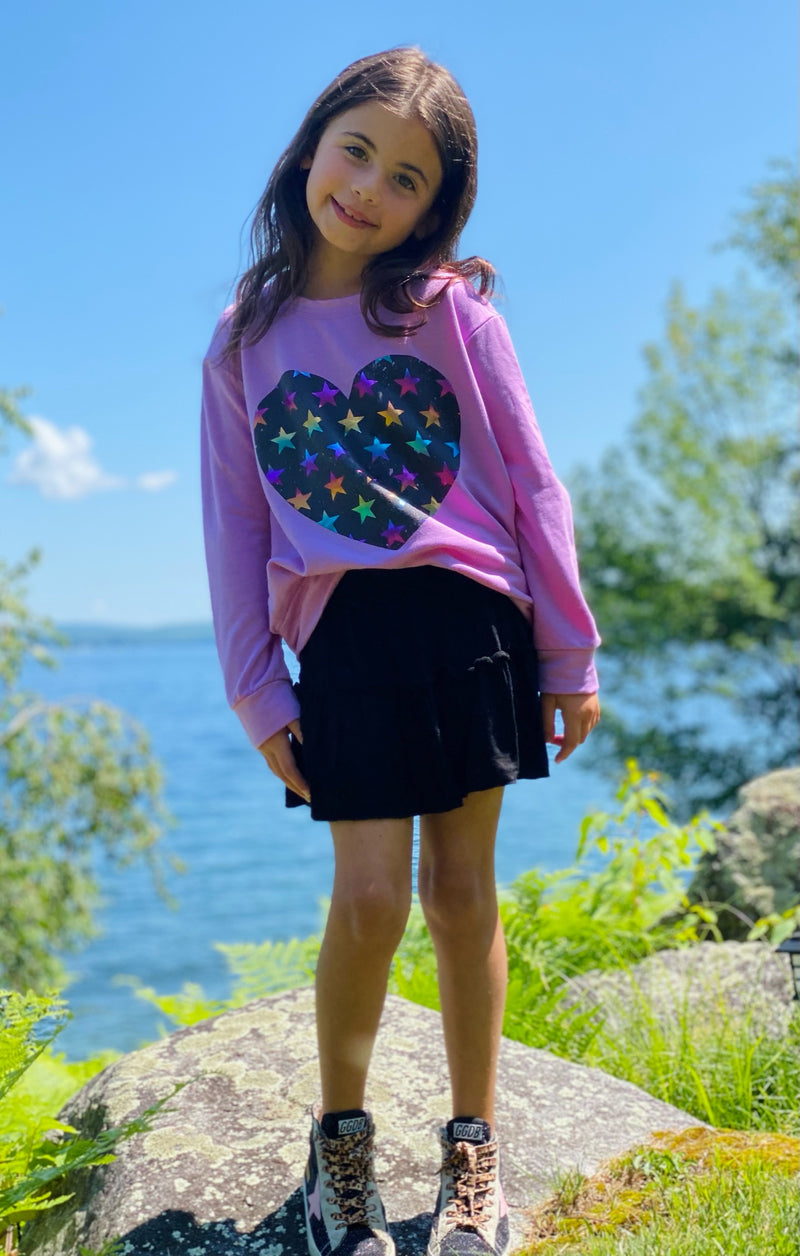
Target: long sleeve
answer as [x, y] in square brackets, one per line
[236, 526]
[564, 630]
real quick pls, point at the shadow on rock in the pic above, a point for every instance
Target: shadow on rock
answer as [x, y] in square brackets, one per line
[283, 1233]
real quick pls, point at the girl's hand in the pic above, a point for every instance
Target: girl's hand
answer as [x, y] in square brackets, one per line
[277, 751]
[580, 712]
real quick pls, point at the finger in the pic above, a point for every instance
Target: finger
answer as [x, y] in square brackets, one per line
[282, 763]
[294, 725]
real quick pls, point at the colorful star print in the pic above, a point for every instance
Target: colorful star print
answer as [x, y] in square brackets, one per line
[363, 385]
[299, 501]
[334, 486]
[408, 383]
[283, 439]
[327, 395]
[391, 414]
[378, 450]
[351, 421]
[385, 447]
[363, 509]
[420, 445]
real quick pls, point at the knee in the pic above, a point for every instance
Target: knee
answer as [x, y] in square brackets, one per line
[372, 913]
[458, 903]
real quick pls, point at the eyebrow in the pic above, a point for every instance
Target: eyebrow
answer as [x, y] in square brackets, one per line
[406, 165]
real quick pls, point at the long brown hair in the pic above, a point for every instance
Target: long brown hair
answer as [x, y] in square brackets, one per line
[409, 83]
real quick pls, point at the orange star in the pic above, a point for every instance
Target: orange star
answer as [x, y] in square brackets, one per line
[334, 486]
[432, 416]
[299, 501]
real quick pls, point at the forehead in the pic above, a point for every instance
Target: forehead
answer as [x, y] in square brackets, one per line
[397, 139]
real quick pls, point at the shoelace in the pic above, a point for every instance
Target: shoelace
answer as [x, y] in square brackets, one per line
[348, 1165]
[474, 1172]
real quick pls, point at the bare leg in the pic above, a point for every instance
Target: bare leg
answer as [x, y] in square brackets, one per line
[369, 909]
[459, 899]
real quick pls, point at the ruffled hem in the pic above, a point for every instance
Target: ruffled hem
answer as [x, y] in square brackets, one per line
[373, 750]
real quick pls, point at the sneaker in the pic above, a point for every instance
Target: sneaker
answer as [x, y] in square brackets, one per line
[344, 1213]
[471, 1215]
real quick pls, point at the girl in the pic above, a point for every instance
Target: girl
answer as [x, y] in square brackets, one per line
[376, 493]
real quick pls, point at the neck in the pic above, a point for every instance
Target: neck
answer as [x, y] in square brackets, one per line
[332, 274]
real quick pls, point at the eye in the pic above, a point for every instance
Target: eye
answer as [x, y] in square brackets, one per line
[355, 150]
[409, 184]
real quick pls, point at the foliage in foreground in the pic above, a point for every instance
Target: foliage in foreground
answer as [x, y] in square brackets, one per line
[681, 1194]
[37, 1150]
[622, 900]
[76, 778]
[688, 535]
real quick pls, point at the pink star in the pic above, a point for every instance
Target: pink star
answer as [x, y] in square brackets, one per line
[408, 383]
[446, 476]
[445, 387]
[405, 477]
[393, 534]
[327, 394]
[364, 385]
[289, 401]
[260, 419]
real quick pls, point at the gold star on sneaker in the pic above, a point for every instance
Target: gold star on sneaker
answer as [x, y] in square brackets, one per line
[432, 416]
[432, 506]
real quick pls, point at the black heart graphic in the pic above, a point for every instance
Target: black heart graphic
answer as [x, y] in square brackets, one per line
[373, 465]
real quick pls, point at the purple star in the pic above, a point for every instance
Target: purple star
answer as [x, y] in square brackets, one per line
[337, 449]
[393, 534]
[274, 474]
[445, 387]
[326, 394]
[405, 477]
[309, 463]
[364, 385]
[408, 383]
[289, 401]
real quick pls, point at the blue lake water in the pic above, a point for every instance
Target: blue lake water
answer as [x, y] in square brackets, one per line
[255, 869]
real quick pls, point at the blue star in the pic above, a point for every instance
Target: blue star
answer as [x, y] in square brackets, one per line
[387, 357]
[329, 521]
[337, 449]
[305, 374]
[378, 450]
[454, 447]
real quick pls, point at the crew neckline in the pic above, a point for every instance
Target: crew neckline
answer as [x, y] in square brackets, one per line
[328, 305]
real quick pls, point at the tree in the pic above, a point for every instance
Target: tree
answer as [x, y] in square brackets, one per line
[689, 535]
[74, 779]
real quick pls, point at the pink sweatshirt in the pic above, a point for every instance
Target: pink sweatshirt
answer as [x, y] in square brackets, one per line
[327, 447]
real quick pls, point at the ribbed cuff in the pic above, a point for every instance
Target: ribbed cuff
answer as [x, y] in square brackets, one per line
[567, 671]
[267, 710]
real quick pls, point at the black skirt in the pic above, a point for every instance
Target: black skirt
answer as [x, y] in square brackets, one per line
[417, 687]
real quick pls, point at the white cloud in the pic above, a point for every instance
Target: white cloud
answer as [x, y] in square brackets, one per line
[155, 481]
[59, 462]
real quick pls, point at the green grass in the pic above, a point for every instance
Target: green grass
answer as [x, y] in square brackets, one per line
[699, 1193]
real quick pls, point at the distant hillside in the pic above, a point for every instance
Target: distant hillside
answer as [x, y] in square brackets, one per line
[123, 634]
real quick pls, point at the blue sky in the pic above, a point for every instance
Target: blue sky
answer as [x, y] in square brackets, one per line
[616, 140]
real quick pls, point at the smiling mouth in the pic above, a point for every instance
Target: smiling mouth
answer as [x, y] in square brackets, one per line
[348, 216]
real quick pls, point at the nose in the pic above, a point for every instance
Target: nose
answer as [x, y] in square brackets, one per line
[365, 187]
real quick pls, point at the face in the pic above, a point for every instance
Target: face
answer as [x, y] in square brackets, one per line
[371, 184]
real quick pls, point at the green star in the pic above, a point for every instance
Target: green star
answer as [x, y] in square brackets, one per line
[420, 445]
[283, 439]
[364, 508]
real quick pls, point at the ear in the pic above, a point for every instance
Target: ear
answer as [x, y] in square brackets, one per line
[306, 163]
[427, 226]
